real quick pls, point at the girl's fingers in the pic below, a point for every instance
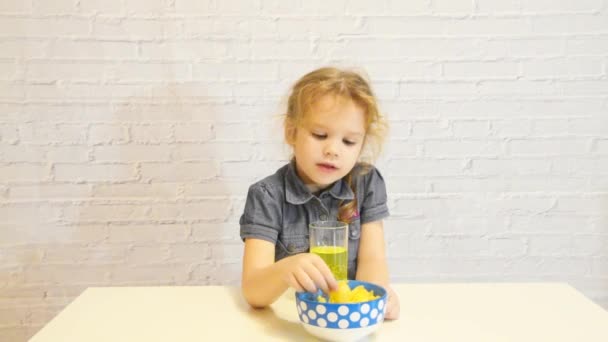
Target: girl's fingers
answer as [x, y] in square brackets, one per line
[293, 282]
[392, 308]
[328, 277]
[304, 280]
[317, 277]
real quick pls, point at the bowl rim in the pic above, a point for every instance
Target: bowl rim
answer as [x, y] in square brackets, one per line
[301, 295]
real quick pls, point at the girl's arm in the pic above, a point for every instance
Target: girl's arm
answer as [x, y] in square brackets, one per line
[372, 265]
[264, 280]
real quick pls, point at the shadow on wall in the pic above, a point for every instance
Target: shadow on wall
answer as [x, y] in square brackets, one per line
[133, 205]
[157, 189]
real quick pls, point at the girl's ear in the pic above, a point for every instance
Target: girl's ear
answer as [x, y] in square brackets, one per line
[290, 132]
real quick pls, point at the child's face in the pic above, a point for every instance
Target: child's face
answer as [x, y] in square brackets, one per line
[327, 143]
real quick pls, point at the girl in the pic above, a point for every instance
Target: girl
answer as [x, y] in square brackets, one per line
[334, 126]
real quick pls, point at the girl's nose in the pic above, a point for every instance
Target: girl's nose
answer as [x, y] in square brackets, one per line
[331, 150]
[331, 154]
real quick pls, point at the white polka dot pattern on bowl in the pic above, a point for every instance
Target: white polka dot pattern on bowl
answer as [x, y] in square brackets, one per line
[321, 309]
[364, 322]
[374, 313]
[343, 315]
[321, 322]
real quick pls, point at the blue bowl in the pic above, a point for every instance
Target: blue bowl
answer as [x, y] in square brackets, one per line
[342, 321]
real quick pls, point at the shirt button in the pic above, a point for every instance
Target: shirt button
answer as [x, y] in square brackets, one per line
[323, 217]
[290, 247]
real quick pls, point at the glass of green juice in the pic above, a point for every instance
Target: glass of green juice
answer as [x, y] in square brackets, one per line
[329, 240]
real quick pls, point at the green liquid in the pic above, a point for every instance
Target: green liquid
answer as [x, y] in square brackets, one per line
[335, 257]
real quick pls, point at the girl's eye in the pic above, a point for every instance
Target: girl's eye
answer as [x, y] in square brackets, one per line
[348, 142]
[319, 135]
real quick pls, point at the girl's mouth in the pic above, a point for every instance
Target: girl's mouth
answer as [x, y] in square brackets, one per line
[326, 167]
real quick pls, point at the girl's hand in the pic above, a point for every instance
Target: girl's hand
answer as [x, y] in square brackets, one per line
[392, 307]
[308, 272]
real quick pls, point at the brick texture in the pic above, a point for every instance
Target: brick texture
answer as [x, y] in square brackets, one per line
[130, 130]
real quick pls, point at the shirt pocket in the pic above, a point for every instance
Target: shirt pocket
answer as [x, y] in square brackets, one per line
[293, 244]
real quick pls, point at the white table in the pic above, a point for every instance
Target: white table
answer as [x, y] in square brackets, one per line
[429, 312]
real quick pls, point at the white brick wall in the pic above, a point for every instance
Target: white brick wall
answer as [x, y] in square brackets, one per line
[130, 130]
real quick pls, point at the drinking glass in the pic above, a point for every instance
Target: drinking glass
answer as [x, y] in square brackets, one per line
[329, 240]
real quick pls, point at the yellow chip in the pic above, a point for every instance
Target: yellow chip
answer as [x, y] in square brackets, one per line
[345, 295]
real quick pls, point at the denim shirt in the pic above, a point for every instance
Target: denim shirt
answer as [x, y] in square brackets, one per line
[280, 207]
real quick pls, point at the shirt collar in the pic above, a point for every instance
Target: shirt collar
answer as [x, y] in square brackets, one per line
[297, 193]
